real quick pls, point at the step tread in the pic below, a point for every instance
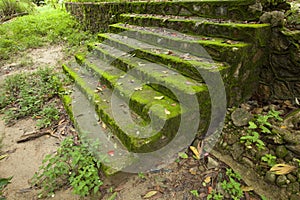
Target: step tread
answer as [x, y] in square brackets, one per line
[198, 20]
[133, 44]
[177, 36]
[113, 155]
[150, 72]
[129, 87]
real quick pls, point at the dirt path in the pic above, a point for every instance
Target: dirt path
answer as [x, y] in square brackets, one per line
[24, 159]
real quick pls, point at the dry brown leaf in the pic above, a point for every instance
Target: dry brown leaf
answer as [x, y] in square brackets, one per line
[282, 169]
[159, 98]
[193, 171]
[150, 194]
[104, 125]
[195, 151]
[207, 179]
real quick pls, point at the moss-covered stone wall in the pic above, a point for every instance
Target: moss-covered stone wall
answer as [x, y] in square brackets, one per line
[280, 77]
[97, 16]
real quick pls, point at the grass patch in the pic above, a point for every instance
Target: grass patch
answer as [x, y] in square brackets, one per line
[46, 26]
[29, 95]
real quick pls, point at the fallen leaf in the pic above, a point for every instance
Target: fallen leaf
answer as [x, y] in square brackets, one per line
[207, 179]
[104, 125]
[183, 155]
[138, 88]
[195, 151]
[247, 188]
[209, 190]
[193, 171]
[111, 152]
[173, 104]
[283, 127]
[167, 112]
[159, 98]
[282, 169]
[3, 156]
[165, 72]
[150, 194]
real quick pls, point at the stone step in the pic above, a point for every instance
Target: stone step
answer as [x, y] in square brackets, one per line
[159, 76]
[218, 49]
[139, 135]
[249, 32]
[113, 155]
[194, 67]
[186, 64]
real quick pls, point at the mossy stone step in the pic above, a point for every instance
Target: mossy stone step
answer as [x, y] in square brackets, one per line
[218, 49]
[249, 32]
[136, 134]
[108, 149]
[137, 93]
[165, 80]
[188, 65]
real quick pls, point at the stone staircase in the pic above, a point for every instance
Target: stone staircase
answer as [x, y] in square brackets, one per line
[155, 81]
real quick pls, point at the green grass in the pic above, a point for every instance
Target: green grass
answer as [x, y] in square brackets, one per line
[47, 26]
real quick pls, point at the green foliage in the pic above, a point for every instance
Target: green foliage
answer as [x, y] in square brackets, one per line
[11, 7]
[230, 186]
[71, 165]
[251, 138]
[215, 196]
[48, 26]
[141, 175]
[269, 159]
[194, 193]
[26, 94]
[3, 183]
[233, 187]
[260, 124]
[48, 115]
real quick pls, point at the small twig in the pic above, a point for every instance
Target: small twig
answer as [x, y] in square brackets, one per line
[34, 135]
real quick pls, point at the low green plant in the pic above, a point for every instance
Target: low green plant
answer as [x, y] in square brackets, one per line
[141, 175]
[48, 115]
[26, 95]
[3, 183]
[233, 187]
[72, 165]
[269, 159]
[194, 193]
[261, 124]
[252, 138]
[215, 196]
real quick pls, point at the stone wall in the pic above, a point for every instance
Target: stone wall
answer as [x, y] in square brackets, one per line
[280, 76]
[97, 16]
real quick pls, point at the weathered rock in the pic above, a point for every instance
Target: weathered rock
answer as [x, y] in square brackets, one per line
[293, 187]
[294, 148]
[237, 151]
[281, 180]
[248, 162]
[212, 163]
[295, 197]
[291, 178]
[275, 18]
[270, 177]
[281, 151]
[293, 119]
[241, 117]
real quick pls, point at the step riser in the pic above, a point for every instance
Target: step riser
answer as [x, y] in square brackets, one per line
[256, 35]
[224, 53]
